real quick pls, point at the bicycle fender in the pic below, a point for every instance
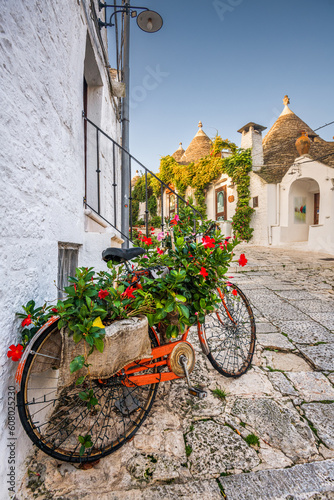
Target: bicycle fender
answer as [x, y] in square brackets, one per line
[19, 371]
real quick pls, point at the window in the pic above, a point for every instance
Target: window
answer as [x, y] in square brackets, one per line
[255, 201]
[171, 204]
[221, 204]
[67, 263]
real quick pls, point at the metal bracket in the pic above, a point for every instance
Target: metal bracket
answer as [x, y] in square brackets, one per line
[194, 391]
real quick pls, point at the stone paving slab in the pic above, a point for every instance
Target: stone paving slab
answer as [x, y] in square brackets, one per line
[306, 332]
[312, 386]
[279, 425]
[216, 449]
[287, 362]
[282, 384]
[322, 417]
[315, 305]
[295, 294]
[322, 356]
[325, 319]
[197, 490]
[266, 327]
[274, 341]
[301, 482]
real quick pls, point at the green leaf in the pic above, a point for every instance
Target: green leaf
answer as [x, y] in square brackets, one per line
[77, 363]
[184, 310]
[84, 396]
[89, 301]
[99, 344]
[181, 298]
[202, 303]
[169, 306]
[80, 380]
[150, 319]
[77, 336]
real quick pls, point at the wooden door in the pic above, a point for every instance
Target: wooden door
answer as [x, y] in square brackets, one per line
[316, 208]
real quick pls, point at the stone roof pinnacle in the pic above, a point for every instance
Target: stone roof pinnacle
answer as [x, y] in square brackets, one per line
[286, 110]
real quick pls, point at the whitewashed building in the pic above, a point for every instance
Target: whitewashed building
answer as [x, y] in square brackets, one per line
[54, 66]
[292, 194]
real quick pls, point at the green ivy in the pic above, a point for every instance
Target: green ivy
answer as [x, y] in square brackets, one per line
[199, 176]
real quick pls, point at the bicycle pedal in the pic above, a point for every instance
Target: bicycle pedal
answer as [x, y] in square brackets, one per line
[199, 393]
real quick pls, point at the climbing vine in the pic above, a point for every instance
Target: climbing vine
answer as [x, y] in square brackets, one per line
[199, 176]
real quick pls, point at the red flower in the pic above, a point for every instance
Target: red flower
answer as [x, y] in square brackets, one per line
[242, 260]
[234, 292]
[15, 352]
[27, 320]
[129, 293]
[147, 241]
[223, 245]
[54, 310]
[203, 272]
[152, 229]
[103, 294]
[208, 242]
[160, 251]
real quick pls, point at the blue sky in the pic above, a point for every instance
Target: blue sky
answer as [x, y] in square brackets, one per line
[226, 63]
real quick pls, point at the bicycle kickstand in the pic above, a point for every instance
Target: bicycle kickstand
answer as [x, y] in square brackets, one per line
[194, 391]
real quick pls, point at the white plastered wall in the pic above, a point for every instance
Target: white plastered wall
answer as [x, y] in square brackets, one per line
[42, 50]
[305, 180]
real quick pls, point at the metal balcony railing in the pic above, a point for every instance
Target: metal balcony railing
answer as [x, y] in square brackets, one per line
[103, 182]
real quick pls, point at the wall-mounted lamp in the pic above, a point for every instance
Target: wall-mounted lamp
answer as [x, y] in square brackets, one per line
[148, 20]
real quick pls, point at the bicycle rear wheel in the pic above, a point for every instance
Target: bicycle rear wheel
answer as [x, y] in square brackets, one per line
[54, 418]
[230, 333]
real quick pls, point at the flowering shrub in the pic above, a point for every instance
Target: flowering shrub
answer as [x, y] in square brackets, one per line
[196, 267]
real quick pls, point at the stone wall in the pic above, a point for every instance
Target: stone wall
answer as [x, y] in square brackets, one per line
[43, 50]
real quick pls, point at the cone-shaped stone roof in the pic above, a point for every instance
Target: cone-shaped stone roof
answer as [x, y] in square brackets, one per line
[178, 153]
[199, 147]
[279, 150]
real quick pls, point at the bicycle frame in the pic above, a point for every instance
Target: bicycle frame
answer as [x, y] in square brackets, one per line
[163, 351]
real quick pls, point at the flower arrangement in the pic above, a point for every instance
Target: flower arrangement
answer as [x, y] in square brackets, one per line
[196, 269]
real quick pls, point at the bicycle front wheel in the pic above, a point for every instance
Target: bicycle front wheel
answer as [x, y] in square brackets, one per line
[54, 417]
[230, 333]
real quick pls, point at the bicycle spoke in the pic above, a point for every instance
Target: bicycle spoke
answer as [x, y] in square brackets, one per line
[230, 334]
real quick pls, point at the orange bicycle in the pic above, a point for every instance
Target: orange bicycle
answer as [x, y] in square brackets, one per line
[53, 419]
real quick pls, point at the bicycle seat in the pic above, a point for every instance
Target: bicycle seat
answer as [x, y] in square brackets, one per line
[121, 254]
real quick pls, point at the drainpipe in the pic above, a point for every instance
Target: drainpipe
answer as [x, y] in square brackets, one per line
[278, 214]
[125, 172]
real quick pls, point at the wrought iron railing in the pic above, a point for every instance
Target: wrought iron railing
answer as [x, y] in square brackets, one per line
[105, 166]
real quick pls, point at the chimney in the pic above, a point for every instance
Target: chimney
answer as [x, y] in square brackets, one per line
[252, 138]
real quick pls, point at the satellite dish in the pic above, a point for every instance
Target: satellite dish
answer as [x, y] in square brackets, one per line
[149, 21]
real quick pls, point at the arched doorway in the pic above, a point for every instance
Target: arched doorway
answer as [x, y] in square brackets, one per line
[304, 208]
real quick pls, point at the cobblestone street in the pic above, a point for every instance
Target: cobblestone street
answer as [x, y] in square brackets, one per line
[198, 449]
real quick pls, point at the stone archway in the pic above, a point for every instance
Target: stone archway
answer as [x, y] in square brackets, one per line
[304, 204]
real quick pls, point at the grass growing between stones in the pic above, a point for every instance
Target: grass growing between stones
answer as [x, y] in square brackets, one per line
[189, 450]
[221, 488]
[252, 440]
[220, 393]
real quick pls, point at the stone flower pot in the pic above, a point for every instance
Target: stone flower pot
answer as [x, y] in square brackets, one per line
[125, 341]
